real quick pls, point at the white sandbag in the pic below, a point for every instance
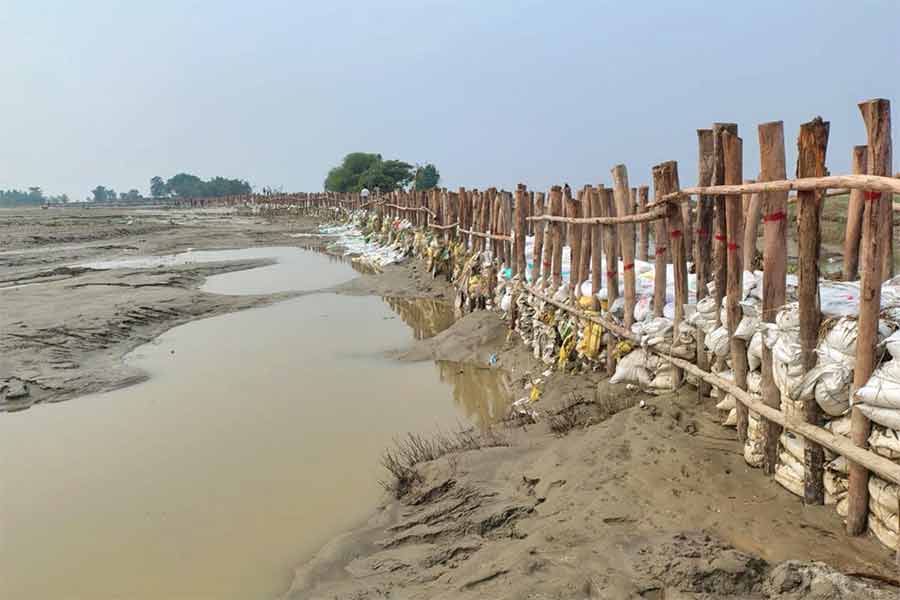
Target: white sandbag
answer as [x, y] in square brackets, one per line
[754, 381]
[654, 330]
[636, 367]
[884, 503]
[643, 308]
[885, 442]
[833, 389]
[893, 344]
[883, 387]
[717, 342]
[746, 328]
[889, 417]
[727, 403]
[754, 352]
[754, 449]
[885, 534]
[731, 419]
[793, 445]
[840, 426]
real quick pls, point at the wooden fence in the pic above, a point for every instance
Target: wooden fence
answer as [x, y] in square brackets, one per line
[719, 231]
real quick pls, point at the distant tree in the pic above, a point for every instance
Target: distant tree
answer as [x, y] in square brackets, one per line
[101, 194]
[133, 194]
[361, 170]
[158, 187]
[427, 177]
[185, 185]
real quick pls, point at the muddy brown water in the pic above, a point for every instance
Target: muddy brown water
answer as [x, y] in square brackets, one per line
[255, 440]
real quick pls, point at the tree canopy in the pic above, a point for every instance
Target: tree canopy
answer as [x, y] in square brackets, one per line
[361, 170]
[427, 177]
[186, 185]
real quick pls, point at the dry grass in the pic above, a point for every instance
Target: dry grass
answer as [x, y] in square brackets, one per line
[581, 413]
[414, 449]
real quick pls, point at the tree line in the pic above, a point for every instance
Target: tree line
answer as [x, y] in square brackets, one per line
[185, 185]
[361, 170]
[33, 196]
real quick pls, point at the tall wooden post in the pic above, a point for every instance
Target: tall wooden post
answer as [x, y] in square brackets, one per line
[855, 207]
[875, 235]
[506, 205]
[586, 248]
[661, 234]
[667, 178]
[539, 226]
[596, 240]
[771, 150]
[718, 178]
[573, 211]
[521, 211]
[811, 146]
[703, 243]
[751, 229]
[556, 229]
[733, 149]
[644, 227]
[612, 267]
[626, 235]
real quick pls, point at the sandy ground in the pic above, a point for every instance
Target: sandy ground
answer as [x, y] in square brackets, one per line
[64, 330]
[631, 502]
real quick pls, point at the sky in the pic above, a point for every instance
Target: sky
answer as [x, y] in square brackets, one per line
[493, 92]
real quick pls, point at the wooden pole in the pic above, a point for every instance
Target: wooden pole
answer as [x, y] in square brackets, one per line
[573, 210]
[626, 235]
[771, 150]
[733, 154]
[521, 212]
[718, 178]
[539, 226]
[508, 224]
[751, 230]
[811, 146]
[557, 237]
[667, 178]
[661, 235]
[586, 234]
[610, 245]
[875, 235]
[596, 240]
[644, 229]
[703, 243]
[855, 207]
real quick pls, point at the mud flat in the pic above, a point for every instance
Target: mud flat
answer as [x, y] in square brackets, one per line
[247, 439]
[605, 499]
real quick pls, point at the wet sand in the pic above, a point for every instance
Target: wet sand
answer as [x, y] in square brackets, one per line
[630, 503]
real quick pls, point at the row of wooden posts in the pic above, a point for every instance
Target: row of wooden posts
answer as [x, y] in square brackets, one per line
[721, 234]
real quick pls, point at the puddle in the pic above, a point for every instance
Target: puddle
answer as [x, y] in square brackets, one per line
[426, 317]
[295, 269]
[255, 441]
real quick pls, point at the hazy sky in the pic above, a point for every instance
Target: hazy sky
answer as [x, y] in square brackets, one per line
[493, 92]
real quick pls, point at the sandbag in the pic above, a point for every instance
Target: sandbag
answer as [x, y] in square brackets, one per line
[754, 451]
[636, 367]
[888, 417]
[718, 342]
[754, 352]
[885, 442]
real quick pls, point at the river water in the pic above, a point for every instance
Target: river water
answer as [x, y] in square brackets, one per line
[255, 440]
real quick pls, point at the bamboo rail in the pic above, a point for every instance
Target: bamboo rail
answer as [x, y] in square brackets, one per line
[653, 215]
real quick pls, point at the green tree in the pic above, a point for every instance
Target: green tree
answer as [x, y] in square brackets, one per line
[158, 187]
[101, 194]
[427, 177]
[361, 170]
[185, 185]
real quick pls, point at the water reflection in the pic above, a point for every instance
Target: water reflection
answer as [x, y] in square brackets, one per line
[481, 393]
[427, 317]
